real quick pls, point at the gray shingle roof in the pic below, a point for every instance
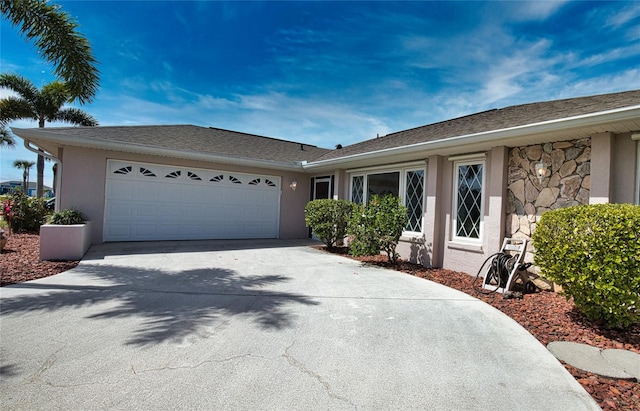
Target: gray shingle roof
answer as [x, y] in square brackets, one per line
[203, 140]
[237, 145]
[496, 119]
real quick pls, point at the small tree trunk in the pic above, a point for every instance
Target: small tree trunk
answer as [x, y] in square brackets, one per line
[40, 167]
[55, 176]
[40, 177]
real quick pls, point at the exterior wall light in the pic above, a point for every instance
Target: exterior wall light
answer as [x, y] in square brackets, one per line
[541, 171]
[293, 185]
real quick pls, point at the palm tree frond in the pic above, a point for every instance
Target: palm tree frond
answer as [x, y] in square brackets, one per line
[76, 117]
[5, 138]
[54, 34]
[14, 108]
[21, 85]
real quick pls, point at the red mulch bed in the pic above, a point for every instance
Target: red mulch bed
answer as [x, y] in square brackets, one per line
[20, 260]
[546, 315]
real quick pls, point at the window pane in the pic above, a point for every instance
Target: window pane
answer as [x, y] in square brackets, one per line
[357, 189]
[414, 199]
[383, 184]
[469, 201]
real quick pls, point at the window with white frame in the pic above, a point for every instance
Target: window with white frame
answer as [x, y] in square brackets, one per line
[407, 182]
[468, 200]
[357, 189]
[414, 199]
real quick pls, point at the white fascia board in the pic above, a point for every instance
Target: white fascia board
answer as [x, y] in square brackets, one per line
[489, 136]
[36, 134]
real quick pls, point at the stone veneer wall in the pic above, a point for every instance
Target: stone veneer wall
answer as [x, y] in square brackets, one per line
[567, 183]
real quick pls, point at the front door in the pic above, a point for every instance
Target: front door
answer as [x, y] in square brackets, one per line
[322, 188]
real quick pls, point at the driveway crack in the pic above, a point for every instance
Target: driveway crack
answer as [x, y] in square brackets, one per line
[327, 387]
[191, 367]
[47, 364]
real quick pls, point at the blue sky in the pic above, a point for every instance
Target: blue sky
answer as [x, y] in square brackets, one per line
[328, 73]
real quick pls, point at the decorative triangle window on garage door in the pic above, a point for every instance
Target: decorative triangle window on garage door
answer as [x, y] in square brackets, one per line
[146, 172]
[173, 174]
[193, 176]
[234, 180]
[257, 181]
[217, 178]
[123, 170]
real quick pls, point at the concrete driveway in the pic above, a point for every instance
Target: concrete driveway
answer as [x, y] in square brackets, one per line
[270, 325]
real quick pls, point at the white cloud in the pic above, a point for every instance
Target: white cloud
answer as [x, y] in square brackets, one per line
[624, 16]
[610, 55]
[532, 10]
[626, 80]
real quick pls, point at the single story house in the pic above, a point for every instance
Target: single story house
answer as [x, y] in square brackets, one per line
[468, 182]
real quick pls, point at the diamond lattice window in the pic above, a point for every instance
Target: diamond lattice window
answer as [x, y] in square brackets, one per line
[357, 189]
[469, 201]
[414, 199]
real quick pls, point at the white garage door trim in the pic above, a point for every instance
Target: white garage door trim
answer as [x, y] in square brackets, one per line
[145, 202]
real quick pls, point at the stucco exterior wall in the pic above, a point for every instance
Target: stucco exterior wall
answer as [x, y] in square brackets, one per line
[84, 175]
[468, 257]
[623, 173]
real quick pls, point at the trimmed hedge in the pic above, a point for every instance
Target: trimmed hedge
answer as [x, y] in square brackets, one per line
[328, 219]
[593, 251]
[377, 227]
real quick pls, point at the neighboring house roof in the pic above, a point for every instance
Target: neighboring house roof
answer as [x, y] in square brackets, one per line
[514, 118]
[14, 183]
[190, 141]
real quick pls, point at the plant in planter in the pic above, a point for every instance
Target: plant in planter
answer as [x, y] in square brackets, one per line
[67, 217]
[65, 237]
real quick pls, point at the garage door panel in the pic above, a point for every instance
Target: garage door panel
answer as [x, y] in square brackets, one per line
[143, 204]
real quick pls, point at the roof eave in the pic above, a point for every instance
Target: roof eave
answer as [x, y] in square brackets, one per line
[65, 139]
[487, 137]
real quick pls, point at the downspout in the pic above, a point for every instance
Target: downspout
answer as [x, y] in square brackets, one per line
[49, 156]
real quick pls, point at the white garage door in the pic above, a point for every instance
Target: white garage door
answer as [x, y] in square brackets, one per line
[159, 202]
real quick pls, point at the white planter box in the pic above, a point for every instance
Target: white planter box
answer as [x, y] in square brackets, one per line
[64, 242]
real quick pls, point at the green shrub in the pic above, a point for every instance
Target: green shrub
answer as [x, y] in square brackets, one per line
[377, 227]
[594, 253]
[66, 217]
[24, 213]
[328, 219]
[361, 231]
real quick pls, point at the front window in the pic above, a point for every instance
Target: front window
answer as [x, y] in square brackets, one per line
[414, 199]
[383, 184]
[468, 200]
[357, 189]
[406, 183]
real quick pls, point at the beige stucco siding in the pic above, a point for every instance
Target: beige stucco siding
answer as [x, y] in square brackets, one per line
[624, 169]
[84, 176]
